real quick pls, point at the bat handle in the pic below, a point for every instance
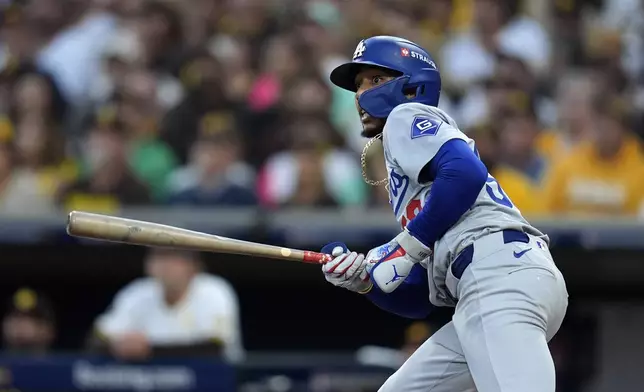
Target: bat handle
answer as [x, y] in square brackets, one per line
[316, 258]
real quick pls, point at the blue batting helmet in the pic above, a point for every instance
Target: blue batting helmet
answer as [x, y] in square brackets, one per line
[416, 69]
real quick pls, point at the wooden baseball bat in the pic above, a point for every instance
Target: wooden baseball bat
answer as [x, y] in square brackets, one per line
[136, 232]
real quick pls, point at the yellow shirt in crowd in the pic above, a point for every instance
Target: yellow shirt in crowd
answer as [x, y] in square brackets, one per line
[585, 184]
[551, 145]
[525, 195]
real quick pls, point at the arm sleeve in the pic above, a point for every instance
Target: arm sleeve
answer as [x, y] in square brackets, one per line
[409, 300]
[120, 317]
[414, 134]
[458, 177]
[225, 327]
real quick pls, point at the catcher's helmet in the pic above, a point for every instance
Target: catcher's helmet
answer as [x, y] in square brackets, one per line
[417, 70]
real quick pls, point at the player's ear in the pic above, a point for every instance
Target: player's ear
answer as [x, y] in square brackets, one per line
[410, 92]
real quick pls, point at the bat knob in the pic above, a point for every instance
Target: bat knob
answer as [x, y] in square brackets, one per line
[70, 220]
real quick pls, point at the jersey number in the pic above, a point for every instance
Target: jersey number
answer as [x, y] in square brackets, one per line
[496, 192]
[492, 187]
[413, 208]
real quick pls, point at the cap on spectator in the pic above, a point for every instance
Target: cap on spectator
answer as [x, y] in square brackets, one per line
[189, 71]
[106, 119]
[27, 302]
[520, 104]
[217, 126]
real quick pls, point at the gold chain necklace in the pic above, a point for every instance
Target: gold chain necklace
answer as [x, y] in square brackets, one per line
[363, 163]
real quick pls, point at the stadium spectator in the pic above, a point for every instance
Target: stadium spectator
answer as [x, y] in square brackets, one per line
[108, 181]
[521, 190]
[158, 26]
[202, 78]
[19, 38]
[151, 159]
[215, 174]
[72, 37]
[167, 65]
[178, 309]
[519, 131]
[485, 101]
[575, 92]
[35, 94]
[313, 171]
[487, 144]
[283, 61]
[497, 26]
[29, 325]
[307, 96]
[436, 22]
[20, 189]
[603, 175]
[39, 152]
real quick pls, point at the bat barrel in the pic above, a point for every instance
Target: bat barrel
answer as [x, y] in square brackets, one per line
[103, 227]
[135, 232]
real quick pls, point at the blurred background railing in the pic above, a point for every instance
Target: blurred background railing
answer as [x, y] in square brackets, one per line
[217, 115]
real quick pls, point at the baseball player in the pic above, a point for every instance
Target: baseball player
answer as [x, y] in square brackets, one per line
[463, 243]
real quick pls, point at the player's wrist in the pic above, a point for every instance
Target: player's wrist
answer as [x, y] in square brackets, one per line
[367, 289]
[413, 246]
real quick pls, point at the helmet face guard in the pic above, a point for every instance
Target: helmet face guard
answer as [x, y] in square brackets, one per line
[419, 76]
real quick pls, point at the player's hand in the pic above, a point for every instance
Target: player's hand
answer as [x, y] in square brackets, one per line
[347, 269]
[393, 261]
[130, 346]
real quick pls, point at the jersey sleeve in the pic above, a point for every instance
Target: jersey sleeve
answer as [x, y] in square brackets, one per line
[121, 316]
[223, 307]
[413, 135]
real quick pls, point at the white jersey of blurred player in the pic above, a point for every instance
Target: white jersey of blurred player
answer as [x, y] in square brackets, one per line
[496, 304]
[209, 311]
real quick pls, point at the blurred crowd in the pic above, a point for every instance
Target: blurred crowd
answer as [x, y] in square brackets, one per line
[106, 103]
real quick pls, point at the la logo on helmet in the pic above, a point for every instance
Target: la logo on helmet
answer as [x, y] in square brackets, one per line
[359, 50]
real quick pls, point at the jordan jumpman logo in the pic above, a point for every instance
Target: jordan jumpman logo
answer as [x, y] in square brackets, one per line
[396, 276]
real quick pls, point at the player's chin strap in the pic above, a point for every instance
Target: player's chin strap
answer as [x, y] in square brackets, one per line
[363, 163]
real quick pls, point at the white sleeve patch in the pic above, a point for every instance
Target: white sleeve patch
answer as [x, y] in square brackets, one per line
[414, 133]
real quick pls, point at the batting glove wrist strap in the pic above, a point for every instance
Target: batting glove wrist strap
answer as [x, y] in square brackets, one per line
[415, 249]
